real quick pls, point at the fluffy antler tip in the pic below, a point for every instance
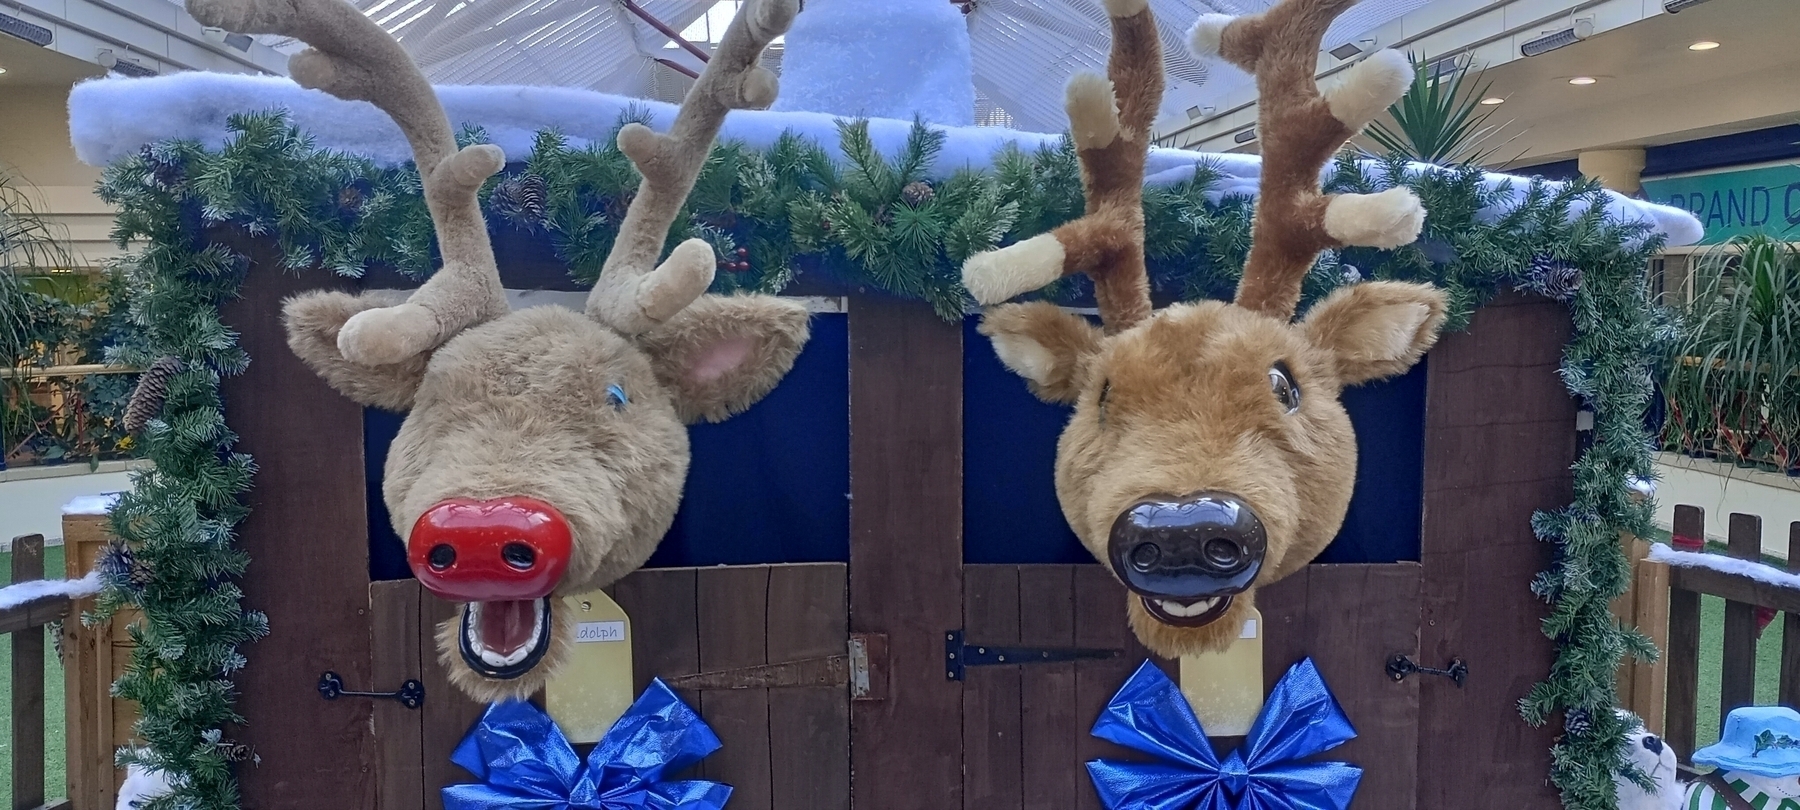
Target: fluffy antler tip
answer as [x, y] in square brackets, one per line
[1369, 87]
[1093, 111]
[1125, 8]
[997, 275]
[1386, 220]
[1206, 34]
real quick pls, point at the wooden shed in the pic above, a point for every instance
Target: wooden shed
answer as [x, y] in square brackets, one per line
[890, 551]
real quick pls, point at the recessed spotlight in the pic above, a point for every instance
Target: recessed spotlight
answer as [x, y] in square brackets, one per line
[2, 70]
[1703, 45]
[1582, 81]
[1492, 100]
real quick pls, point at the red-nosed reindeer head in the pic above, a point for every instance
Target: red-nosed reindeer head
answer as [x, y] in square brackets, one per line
[1208, 454]
[544, 450]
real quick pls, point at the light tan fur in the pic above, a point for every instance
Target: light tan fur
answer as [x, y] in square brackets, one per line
[1180, 400]
[509, 404]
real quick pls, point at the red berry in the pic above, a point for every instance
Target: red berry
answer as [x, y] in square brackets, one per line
[743, 252]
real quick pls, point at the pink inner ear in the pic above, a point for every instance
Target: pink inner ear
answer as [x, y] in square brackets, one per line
[719, 359]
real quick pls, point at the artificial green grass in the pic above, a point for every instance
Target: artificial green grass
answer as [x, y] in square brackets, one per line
[55, 744]
[1712, 655]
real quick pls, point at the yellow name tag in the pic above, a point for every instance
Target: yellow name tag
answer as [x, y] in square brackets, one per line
[593, 687]
[1226, 688]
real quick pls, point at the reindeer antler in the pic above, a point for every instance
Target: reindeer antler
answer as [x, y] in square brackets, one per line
[1300, 129]
[1110, 125]
[353, 58]
[630, 297]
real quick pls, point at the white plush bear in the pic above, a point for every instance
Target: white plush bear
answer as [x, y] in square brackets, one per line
[141, 785]
[1657, 759]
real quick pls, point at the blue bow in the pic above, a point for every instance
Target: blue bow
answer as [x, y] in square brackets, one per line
[1300, 719]
[525, 763]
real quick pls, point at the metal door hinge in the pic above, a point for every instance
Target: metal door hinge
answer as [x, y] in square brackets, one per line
[959, 655]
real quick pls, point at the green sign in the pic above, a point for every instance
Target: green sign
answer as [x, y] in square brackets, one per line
[1765, 200]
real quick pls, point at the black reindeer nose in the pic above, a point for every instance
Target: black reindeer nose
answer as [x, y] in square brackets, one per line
[1653, 745]
[1187, 547]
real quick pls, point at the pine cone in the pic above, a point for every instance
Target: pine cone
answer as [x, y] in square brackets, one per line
[524, 199]
[1578, 722]
[350, 200]
[164, 174]
[917, 193]
[121, 568]
[152, 388]
[1552, 279]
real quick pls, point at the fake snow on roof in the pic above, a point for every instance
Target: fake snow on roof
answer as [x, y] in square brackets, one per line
[111, 118]
[1022, 51]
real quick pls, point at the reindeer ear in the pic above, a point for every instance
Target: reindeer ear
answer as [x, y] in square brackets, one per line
[1047, 346]
[1376, 329]
[313, 321]
[721, 354]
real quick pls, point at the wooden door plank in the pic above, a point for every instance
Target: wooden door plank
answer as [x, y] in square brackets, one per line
[993, 743]
[1790, 632]
[395, 632]
[1490, 462]
[1050, 728]
[28, 685]
[307, 539]
[1100, 624]
[1357, 617]
[448, 714]
[665, 625]
[734, 631]
[906, 547]
[1737, 672]
[809, 728]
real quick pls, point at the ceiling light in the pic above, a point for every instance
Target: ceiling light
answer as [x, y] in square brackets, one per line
[1577, 31]
[2, 70]
[1583, 81]
[1492, 100]
[1703, 45]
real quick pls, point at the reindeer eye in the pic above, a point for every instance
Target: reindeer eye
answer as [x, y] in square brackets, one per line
[616, 396]
[1281, 382]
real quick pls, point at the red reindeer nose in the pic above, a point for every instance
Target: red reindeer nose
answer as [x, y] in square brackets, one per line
[480, 551]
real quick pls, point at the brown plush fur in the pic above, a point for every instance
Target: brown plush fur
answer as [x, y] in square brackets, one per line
[521, 404]
[1180, 400]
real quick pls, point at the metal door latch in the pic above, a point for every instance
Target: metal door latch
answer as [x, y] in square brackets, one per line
[958, 655]
[1401, 666]
[411, 694]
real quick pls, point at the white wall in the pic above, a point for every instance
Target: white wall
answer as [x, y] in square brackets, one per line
[34, 143]
[1721, 489]
[32, 504]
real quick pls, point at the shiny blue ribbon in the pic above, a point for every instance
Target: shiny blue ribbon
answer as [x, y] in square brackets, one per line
[1299, 719]
[525, 763]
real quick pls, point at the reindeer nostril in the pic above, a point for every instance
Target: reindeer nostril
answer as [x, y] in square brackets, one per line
[1145, 556]
[518, 555]
[442, 556]
[1653, 745]
[1223, 553]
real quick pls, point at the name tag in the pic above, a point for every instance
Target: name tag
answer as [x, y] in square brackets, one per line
[593, 632]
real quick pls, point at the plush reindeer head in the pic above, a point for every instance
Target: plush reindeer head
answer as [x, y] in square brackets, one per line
[1208, 453]
[544, 450]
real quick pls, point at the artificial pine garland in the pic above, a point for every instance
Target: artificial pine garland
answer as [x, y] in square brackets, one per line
[881, 222]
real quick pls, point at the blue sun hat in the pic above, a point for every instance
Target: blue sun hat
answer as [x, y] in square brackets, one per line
[1763, 740]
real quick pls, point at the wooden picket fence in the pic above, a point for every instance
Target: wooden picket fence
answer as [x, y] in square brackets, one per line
[28, 625]
[1664, 602]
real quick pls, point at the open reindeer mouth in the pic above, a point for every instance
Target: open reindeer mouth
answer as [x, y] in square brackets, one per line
[505, 638]
[1187, 612]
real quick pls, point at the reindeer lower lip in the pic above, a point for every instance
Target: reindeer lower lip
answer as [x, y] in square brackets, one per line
[504, 658]
[1187, 613]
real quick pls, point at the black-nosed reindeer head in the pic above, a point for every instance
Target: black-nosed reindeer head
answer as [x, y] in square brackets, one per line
[544, 450]
[1208, 454]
